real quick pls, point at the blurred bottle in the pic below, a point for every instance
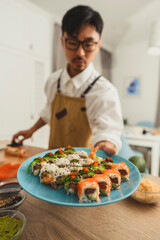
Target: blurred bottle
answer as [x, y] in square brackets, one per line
[125, 121]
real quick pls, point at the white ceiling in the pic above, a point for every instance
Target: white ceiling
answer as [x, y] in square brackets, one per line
[118, 15]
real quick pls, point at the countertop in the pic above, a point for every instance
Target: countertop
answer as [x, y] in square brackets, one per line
[123, 220]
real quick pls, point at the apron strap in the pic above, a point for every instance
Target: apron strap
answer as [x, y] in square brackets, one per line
[58, 83]
[85, 92]
[90, 86]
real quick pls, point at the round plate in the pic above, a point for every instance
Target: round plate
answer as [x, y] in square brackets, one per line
[33, 186]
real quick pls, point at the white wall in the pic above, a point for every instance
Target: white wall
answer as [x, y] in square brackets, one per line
[26, 49]
[133, 60]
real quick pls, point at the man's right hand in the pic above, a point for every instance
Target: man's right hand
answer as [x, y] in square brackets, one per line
[25, 134]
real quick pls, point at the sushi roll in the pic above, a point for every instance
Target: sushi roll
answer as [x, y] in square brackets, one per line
[71, 183]
[96, 167]
[60, 153]
[86, 173]
[82, 154]
[104, 182]
[69, 150]
[115, 177]
[88, 190]
[59, 177]
[53, 175]
[62, 162]
[35, 166]
[50, 157]
[123, 169]
[107, 162]
[73, 158]
[75, 168]
[81, 162]
[47, 173]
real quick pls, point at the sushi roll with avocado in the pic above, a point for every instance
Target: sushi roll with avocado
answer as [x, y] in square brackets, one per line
[59, 177]
[50, 157]
[35, 166]
[115, 177]
[104, 182]
[97, 167]
[123, 169]
[71, 183]
[86, 173]
[69, 150]
[88, 190]
[60, 153]
[107, 162]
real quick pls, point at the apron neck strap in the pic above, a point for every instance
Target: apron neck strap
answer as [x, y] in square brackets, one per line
[59, 82]
[85, 92]
[90, 86]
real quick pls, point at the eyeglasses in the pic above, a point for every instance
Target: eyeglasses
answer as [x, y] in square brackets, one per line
[73, 44]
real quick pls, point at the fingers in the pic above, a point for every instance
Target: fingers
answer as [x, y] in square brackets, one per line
[15, 137]
[110, 150]
[107, 147]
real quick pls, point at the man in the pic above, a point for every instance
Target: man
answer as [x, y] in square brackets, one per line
[81, 104]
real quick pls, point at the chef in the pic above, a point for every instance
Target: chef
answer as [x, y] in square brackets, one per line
[82, 106]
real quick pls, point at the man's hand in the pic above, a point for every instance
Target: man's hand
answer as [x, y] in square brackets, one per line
[107, 147]
[25, 134]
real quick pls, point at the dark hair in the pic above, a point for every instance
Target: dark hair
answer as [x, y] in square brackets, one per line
[78, 16]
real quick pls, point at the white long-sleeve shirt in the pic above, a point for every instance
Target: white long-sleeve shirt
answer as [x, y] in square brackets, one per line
[102, 103]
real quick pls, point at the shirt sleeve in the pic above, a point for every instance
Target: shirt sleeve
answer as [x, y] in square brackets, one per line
[104, 114]
[45, 114]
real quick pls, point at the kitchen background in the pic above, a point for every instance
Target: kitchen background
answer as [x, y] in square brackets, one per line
[27, 58]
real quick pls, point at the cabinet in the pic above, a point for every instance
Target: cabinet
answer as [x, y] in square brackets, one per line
[25, 60]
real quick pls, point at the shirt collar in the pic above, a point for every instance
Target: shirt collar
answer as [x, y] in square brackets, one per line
[79, 79]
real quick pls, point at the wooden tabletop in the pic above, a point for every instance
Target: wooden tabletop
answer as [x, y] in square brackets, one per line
[30, 151]
[123, 220]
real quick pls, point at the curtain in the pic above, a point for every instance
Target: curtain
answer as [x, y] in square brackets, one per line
[106, 63]
[59, 60]
[157, 122]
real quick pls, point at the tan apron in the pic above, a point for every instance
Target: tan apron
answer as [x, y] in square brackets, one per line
[69, 123]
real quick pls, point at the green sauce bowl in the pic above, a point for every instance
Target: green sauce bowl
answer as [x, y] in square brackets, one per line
[12, 224]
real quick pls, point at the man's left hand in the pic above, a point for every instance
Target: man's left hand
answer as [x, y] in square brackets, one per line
[107, 147]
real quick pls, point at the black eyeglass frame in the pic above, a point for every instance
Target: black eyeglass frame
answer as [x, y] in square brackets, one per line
[79, 43]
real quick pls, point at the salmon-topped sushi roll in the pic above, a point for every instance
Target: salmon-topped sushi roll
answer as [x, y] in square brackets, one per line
[123, 169]
[88, 190]
[104, 182]
[115, 177]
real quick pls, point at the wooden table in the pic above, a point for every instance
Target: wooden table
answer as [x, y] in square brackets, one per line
[123, 220]
[30, 151]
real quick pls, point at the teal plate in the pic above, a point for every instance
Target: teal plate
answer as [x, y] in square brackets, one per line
[33, 186]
